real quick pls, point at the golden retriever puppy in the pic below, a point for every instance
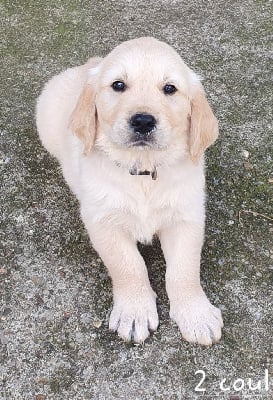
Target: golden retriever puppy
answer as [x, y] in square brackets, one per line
[129, 131]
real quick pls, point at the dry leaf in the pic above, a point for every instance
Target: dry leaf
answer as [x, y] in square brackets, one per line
[3, 271]
[40, 397]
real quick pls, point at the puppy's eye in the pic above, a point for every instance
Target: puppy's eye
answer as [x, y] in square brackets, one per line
[169, 89]
[119, 86]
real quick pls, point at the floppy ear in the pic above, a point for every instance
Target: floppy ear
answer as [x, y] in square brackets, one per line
[203, 125]
[83, 118]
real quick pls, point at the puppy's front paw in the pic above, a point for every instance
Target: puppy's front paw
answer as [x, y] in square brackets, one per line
[199, 321]
[133, 317]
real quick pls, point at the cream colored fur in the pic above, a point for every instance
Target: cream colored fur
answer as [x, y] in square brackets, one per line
[83, 122]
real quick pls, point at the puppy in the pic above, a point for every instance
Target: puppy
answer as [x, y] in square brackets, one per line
[129, 131]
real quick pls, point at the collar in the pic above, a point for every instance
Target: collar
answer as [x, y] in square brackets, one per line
[135, 171]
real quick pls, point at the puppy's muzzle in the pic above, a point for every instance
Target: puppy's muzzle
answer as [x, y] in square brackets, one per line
[143, 126]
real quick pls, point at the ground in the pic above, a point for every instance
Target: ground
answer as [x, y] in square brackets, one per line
[55, 292]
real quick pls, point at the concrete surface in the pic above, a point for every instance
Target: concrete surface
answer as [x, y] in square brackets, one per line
[55, 293]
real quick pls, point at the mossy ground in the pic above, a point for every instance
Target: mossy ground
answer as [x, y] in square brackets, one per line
[54, 288]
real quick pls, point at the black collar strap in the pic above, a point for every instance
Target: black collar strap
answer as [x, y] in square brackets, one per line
[135, 171]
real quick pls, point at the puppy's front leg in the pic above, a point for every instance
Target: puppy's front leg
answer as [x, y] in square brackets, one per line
[134, 311]
[198, 320]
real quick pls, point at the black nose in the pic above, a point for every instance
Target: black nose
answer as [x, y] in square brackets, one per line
[143, 123]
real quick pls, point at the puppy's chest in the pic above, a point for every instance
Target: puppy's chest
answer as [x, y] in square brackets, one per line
[149, 207]
[137, 204]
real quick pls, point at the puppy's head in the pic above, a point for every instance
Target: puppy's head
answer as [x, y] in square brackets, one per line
[143, 100]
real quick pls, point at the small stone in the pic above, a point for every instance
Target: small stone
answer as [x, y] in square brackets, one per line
[61, 273]
[97, 324]
[67, 314]
[245, 154]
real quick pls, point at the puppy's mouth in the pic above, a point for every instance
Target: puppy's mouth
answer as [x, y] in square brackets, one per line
[143, 140]
[141, 143]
